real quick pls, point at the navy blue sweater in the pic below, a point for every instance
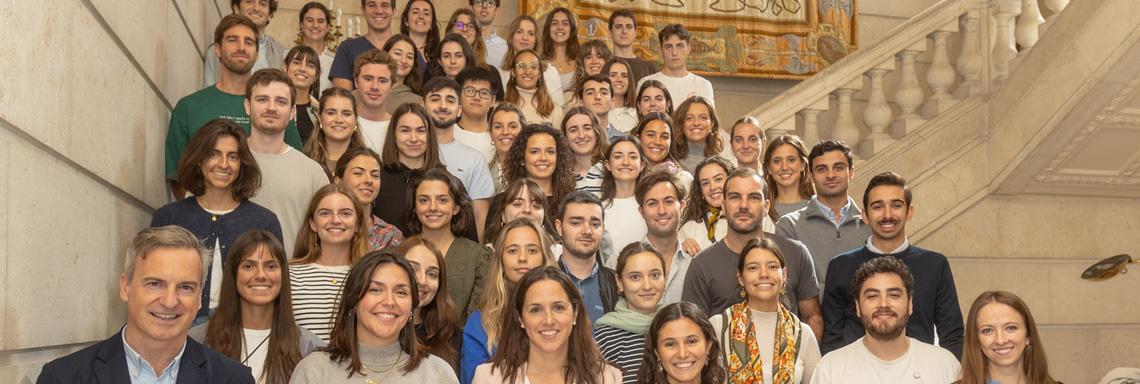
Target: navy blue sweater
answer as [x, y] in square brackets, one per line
[935, 300]
[212, 229]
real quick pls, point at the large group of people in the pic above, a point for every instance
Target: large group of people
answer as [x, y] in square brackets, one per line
[452, 206]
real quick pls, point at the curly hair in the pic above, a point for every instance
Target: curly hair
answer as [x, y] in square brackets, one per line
[652, 372]
[714, 143]
[562, 182]
[696, 207]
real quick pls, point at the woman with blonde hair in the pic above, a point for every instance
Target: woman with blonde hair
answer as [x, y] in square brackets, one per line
[523, 34]
[526, 89]
[1002, 343]
[701, 135]
[587, 139]
[786, 172]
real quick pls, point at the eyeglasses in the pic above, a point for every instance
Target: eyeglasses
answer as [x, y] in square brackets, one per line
[484, 3]
[471, 92]
[459, 25]
[526, 66]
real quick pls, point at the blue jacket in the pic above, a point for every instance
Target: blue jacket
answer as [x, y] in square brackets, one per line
[106, 363]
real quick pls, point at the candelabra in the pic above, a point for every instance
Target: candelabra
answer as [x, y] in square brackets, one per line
[338, 31]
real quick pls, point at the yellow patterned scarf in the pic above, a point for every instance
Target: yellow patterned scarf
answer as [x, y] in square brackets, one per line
[744, 365]
[710, 222]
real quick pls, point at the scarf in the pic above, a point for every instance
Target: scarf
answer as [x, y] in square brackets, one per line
[626, 319]
[744, 365]
[710, 222]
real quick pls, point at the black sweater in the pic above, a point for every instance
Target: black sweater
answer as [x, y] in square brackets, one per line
[935, 300]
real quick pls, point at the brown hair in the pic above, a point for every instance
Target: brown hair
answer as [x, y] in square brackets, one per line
[431, 41]
[632, 249]
[315, 146]
[374, 56]
[266, 76]
[767, 244]
[390, 155]
[651, 180]
[806, 188]
[888, 178]
[412, 80]
[580, 61]
[587, 363]
[201, 146]
[439, 317]
[308, 56]
[454, 188]
[542, 102]
[343, 344]
[630, 94]
[696, 207]
[501, 200]
[224, 331]
[235, 19]
[479, 47]
[600, 140]
[496, 292]
[547, 43]
[652, 372]
[676, 139]
[609, 184]
[508, 58]
[651, 83]
[308, 246]
[975, 365]
[562, 181]
[713, 142]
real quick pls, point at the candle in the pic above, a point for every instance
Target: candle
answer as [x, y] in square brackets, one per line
[358, 30]
[331, 5]
[338, 17]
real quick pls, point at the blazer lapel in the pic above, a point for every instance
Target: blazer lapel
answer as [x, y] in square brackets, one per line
[111, 361]
[192, 368]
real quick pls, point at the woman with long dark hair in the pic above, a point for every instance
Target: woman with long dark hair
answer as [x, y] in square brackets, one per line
[254, 321]
[337, 131]
[541, 154]
[681, 348]
[592, 58]
[786, 172]
[764, 341]
[453, 55]
[523, 33]
[313, 21]
[522, 198]
[408, 79]
[1002, 343]
[703, 221]
[333, 238]
[624, 113]
[303, 66]
[625, 163]
[506, 121]
[220, 172]
[621, 333]
[555, 344]
[658, 140]
[652, 96]
[588, 141]
[410, 148]
[436, 318]
[373, 336]
[418, 21]
[701, 135]
[359, 171]
[560, 44]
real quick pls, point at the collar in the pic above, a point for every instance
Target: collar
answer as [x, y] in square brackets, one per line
[680, 254]
[138, 366]
[848, 212]
[902, 247]
[593, 272]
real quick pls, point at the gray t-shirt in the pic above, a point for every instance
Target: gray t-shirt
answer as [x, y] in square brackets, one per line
[288, 182]
[784, 209]
[712, 285]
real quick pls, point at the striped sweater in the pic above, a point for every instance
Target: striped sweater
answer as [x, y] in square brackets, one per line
[621, 348]
[316, 291]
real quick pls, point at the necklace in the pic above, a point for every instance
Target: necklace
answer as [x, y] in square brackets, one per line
[254, 350]
[386, 372]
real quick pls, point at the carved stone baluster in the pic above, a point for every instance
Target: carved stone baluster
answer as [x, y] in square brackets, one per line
[845, 128]
[940, 75]
[877, 116]
[809, 118]
[909, 94]
[1056, 6]
[784, 127]
[1027, 30]
[969, 63]
[1005, 49]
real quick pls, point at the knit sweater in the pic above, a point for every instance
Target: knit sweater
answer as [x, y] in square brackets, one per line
[935, 300]
[384, 365]
[823, 238]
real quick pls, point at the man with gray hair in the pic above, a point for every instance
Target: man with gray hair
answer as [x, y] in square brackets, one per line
[161, 282]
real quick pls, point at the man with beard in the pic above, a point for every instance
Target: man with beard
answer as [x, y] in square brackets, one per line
[660, 198]
[709, 282]
[886, 354]
[887, 202]
[270, 53]
[441, 99]
[831, 223]
[580, 226]
[288, 177]
[378, 17]
[235, 42]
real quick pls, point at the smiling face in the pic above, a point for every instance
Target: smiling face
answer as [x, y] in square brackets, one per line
[580, 133]
[338, 119]
[697, 124]
[452, 59]
[661, 208]
[785, 165]
[594, 61]
[1003, 335]
[559, 28]
[465, 27]
[505, 127]
[162, 296]
[522, 252]
[524, 36]
[683, 350]
[625, 162]
[540, 156]
[373, 84]
[258, 278]
[526, 71]
[386, 306]
[652, 100]
[831, 174]
[522, 205]
[581, 229]
[303, 71]
[378, 14]
[334, 221]
[883, 306]
[256, 10]
[485, 11]
[270, 107]
[223, 166]
[404, 55]
[887, 212]
[623, 31]
[411, 138]
[597, 96]
[434, 205]
[362, 177]
[419, 17]
[746, 143]
[238, 49]
[711, 178]
[426, 267]
[314, 25]
[763, 277]
[443, 107]
[642, 282]
[548, 317]
[657, 140]
[744, 203]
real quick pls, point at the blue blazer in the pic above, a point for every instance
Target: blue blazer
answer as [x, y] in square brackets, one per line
[106, 363]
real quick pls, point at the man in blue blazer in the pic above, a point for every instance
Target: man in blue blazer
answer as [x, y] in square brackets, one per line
[161, 284]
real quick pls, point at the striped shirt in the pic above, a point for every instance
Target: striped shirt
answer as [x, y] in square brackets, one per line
[315, 289]
[592, 182]
[621, 348]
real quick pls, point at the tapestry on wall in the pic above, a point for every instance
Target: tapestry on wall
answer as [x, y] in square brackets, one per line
[783, 39]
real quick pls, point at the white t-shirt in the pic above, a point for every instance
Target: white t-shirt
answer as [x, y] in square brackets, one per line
[288, 182]
[854, 364]
[256, 340]
[374, 132]
[469, 167]
[624, 222]
[680, 88]
[479, 141]
[216, 266]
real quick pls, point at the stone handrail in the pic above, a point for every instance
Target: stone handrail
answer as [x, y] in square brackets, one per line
[989, 33]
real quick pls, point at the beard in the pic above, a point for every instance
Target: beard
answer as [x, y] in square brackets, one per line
[235, 67]
[739, 228]
[885, 332]
[573, 249]
[444, 123]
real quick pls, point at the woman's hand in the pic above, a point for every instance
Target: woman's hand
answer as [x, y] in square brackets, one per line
[691, 247]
